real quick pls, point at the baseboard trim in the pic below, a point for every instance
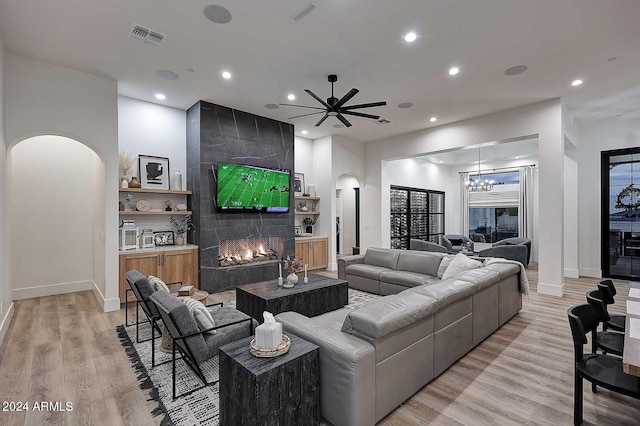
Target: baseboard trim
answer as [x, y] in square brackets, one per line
[571, 273]
[108, 305]
[332, 267]
[6, 322]
[590, 272]
[551, 289]
[51, 290]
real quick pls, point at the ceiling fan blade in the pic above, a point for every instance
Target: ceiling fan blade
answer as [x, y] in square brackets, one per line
[344, 120]
[322, 120]
[303, 106]
[346, 98]
[314, 96]
[305, 115]
[359, 114]
[370, 105]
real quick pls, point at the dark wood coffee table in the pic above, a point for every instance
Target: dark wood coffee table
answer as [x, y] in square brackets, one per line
[320, 295]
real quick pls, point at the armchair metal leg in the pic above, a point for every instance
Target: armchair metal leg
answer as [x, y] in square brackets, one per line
[173, 369]
[137, 322]
[153, 343]
[577, 399]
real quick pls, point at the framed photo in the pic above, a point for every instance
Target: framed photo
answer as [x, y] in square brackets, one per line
[163, 238]
[298, 184]
[154, 172]
[297, 229]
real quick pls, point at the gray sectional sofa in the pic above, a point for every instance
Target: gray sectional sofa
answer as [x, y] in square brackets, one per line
[376, 356]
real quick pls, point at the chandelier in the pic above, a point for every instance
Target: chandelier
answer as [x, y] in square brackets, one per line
[479, 184]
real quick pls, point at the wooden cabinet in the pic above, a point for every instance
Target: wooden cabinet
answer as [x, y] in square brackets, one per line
[169, 264]
[313, 251]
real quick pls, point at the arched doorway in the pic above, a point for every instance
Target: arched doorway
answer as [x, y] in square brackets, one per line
[56, 215]
[347, 215]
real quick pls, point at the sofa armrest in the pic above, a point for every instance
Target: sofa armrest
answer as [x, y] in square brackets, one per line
[347, 371]
[345, 261]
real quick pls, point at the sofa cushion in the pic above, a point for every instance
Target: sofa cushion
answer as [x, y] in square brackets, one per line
[444, 264]
[480, 277]
[200, 314]
[388, 314]
[386, 258]
[460, 263]
[503, 269]
[365, 271]
[418, 261]
[445, 292]
[405, 278]
[157, 284]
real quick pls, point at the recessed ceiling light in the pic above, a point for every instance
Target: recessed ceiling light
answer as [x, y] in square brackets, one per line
[217, 14]
[304, 132]
[405, 105]
[291, 97]
[518, 69]
[409, 37]
[433, 119]
[272, 106]
[189, 69]
[613, 58]
[169, 75]
[517, 157]
[577, 82]
[454, 70]
[160, 96]
[226, 75]
[441, 161]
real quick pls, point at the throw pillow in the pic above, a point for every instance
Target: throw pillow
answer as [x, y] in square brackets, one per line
[455, 242]
[200, 314]
[157, 284]
[444, 264]
[459, 264]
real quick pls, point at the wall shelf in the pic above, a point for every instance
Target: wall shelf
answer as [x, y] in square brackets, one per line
[301, 198]
[155, 191]
[308, 213]
[163, 213]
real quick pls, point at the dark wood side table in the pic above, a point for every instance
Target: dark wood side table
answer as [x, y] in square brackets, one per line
[320, 295]
[284, 390]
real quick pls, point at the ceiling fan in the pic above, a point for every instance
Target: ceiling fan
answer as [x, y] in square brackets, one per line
[335, 107]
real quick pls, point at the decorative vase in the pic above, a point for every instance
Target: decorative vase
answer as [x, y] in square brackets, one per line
[177, 181]
[134, 183]
[124, 182]
[180, 240]
[292, 279]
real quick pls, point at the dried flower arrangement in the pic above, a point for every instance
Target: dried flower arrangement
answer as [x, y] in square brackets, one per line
[293, 265]
[181, 224]
[125, 160]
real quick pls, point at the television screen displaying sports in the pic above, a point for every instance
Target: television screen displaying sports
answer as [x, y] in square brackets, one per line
[242, 187]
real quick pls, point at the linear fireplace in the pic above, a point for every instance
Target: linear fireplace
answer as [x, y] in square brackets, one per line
[245, 251]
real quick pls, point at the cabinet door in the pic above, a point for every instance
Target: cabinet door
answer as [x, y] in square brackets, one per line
[319, 254]
[302, 252]
[179, 266]
[147, 264]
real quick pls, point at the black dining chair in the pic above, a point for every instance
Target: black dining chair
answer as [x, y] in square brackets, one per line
[608, 291]
[601, 370]
[610, 342]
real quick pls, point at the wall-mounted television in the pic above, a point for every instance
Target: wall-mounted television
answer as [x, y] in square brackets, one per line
[252, 188]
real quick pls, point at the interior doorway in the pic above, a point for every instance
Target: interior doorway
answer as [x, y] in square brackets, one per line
[347, 215]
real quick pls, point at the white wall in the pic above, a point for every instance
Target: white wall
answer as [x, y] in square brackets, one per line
[41, 98]
[53, 194]
[571, 212]
[145, 128]
[596, 137]
[543, 119]
[6, 299]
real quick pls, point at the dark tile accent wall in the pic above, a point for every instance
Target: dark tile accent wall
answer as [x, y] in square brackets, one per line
[219, 134]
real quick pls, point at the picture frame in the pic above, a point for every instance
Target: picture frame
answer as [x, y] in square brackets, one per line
[298, 184]
[297, 230]
[154, 172]
[163, 238]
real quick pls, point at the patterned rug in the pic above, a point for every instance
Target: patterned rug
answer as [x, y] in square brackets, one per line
[201, 406]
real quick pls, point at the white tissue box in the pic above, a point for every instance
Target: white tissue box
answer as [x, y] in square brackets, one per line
[269, 335]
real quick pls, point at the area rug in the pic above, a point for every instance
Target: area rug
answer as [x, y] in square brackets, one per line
[199, 407]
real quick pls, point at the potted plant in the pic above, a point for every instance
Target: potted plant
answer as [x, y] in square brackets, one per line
[125, 161]
[308, 222]
[181, 224]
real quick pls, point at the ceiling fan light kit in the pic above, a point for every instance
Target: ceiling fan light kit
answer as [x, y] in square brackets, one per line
[335, 107]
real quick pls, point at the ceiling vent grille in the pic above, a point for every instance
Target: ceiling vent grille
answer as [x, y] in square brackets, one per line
[304, 12]
[138, 32]
[383, 121]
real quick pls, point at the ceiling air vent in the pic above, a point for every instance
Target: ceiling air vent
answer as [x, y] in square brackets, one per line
[138, 32]
[383, 121]
[304, 12]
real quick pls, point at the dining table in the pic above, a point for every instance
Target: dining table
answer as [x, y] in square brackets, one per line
[631, 354]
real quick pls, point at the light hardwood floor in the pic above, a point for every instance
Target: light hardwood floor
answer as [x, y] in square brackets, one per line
[62, 348]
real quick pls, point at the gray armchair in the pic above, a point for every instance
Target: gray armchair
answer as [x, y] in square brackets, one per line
[510, 252]
[477, 238]
[426, 246]
[454, 242]
[517, 241]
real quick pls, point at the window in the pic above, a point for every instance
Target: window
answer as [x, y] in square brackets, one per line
[494, 214]
[416, 213]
